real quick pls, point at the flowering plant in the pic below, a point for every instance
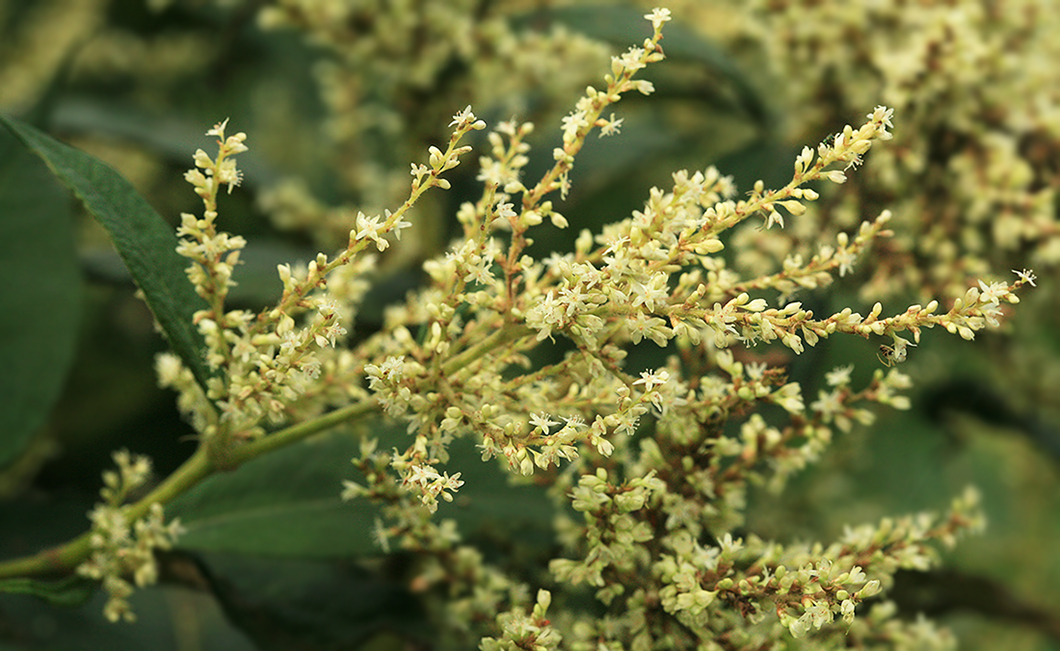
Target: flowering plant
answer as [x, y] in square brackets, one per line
[530, 359]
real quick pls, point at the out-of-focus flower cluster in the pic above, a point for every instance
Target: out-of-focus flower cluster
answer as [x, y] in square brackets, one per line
[972, 177]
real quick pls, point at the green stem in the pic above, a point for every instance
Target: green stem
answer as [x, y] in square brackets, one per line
[296, 433]
[64, 558]
[506, 334]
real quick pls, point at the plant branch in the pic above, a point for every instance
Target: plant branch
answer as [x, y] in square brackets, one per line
[64, 558]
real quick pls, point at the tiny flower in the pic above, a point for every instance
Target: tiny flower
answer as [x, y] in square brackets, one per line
[992, 293]
[836, 176]
[658, 16]
[400, 225]
[1026, 276]
[463, 117]
[542, 422]
[610, 126]
[839, 375]
[504, 210]
[846, 259]
[652, 380]
[882, 116]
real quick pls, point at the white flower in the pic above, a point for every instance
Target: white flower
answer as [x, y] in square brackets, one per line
[882, 116]
[542, 422]
[827, 405]
[992, 293]
[399, 225]
[755, 370]
[839, 375]
[463, 117]
[1026, 276]
[393, 368]
[571, 124]
[846, 260]
[610, 126]
[652, 380]
[218, 129]
[900, 345]
[774, 217]
[658, 16]
[504, 210]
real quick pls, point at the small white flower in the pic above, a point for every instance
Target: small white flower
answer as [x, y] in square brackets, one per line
[658, 16]
[839, 375]
[504, 210]
[652, 380]
[882, 116]
[542, 422]
[399, 225]
[846, 260]
[992, 293]
[1026, 276]
[463, 117]
[610, 126]
[218, 129]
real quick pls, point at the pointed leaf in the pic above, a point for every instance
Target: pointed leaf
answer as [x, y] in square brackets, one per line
[144, 240]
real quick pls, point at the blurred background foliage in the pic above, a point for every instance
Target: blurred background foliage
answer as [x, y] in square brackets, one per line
[338, 98]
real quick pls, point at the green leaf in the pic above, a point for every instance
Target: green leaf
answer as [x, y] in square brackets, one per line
[287, 503]
[282, 504]
[71, 591]
[294, 604]
[41, 302]
[168, 618]
[144, 240]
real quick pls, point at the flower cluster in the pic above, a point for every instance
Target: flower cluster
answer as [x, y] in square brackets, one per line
[973, 196]
[123, 545]
[656, 461]
[525, 631]
[268, 361]
[383, 56]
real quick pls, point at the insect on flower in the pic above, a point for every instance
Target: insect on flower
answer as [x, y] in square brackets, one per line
[887, 356]
[896, 354]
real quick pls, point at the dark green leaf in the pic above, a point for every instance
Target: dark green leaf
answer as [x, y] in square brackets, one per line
[168, 618]
[144, 240]
[287, 503]
[283, 504]
[298, 605]
[41, 302]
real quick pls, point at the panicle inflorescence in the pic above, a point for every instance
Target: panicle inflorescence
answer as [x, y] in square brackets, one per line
[654, 463]
[270, 360]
